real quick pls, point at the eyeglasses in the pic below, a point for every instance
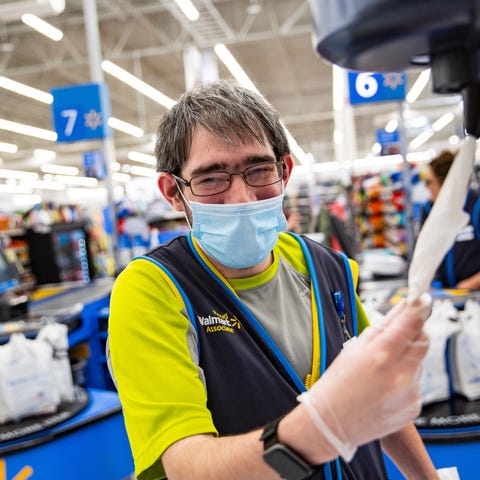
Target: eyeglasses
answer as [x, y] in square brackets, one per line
[213, 183]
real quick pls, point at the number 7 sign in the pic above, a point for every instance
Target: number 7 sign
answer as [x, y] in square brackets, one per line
[81, 112]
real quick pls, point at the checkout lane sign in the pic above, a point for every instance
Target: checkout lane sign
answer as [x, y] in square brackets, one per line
[81, 112]
[367, 87]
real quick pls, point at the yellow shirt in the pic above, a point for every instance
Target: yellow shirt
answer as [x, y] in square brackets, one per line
[151, 345]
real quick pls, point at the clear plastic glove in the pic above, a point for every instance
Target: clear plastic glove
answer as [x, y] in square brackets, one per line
[372, 388]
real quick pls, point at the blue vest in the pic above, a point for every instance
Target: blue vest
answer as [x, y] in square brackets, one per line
[249, 381]
[463, 259]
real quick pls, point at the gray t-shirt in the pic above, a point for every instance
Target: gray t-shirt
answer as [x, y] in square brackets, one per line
[283, 306]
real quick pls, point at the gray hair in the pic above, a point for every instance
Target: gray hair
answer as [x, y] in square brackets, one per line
[226, 110]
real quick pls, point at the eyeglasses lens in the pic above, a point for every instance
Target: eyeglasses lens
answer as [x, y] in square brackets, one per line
[259, 175]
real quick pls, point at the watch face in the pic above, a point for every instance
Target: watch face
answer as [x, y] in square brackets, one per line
[286, 462]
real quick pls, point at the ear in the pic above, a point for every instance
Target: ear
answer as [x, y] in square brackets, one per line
[168, 188]
[288, 171]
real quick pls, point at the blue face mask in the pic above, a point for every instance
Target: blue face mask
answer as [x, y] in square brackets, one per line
[238, 235]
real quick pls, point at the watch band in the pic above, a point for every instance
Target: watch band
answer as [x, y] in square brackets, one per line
[269, 434]
[284, 460]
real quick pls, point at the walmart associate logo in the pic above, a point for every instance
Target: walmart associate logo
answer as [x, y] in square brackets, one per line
[219, 322]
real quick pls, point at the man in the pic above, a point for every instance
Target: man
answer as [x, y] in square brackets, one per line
[461, 266]
[214, 335]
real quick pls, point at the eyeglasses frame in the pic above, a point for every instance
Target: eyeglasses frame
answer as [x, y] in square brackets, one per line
[188, 183]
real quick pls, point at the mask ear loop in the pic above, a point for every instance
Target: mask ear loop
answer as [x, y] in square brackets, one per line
[283, 179]
[185, 203]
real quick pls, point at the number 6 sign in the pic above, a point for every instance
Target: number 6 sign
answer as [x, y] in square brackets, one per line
[366, 87]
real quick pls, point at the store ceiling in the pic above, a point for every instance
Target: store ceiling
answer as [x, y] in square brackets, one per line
[148, 37]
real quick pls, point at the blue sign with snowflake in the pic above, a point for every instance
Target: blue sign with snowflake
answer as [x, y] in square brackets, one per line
[81, 112]
[366, 87]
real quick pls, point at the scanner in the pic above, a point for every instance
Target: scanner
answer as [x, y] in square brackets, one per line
[394, 35]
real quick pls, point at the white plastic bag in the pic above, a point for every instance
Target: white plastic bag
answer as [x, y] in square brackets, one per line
[465, 353]
[439, 327]
[27, 386]
[56, 335]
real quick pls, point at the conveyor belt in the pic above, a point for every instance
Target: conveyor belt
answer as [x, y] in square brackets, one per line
[73, 299]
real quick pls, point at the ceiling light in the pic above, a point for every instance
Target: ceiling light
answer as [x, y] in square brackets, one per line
[360, 164]
[44, 155]
[418, 122]
[121, 177]
[392, 125]
[254, 8]
[337, 136]
[368, 163]
[125, 127]
[99, 195]
[137, 84]
[77, 181]
[421, 139]
[58, 169]
[27, 130]
[418, 86]
[25, 90]
[454, 140]
[18, 174]
[237, 71]
[8, 147]
[188, 9]
[142, 171]
[376, 148]
[11, 11]
[4, 188]
[141, 157]
[42, 27]
[48, 185]
[295, 147]
[443, 121]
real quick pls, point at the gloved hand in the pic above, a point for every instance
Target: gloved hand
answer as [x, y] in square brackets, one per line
[372, 388]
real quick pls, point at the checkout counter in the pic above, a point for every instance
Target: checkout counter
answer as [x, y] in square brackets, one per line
[450, 429]
[85, 438]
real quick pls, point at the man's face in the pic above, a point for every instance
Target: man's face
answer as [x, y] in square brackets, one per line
[209, 154]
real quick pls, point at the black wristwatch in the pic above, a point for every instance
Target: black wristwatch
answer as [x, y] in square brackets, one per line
[285, 461]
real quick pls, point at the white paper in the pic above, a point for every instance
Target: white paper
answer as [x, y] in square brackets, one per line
[445, 220]
[450, 473]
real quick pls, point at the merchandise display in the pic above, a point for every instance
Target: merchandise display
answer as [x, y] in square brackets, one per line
[53, 243]
[299, 203]
[379, 204]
